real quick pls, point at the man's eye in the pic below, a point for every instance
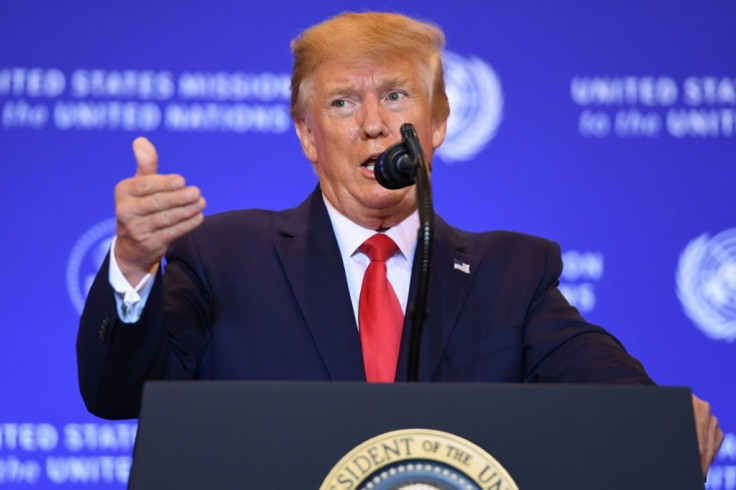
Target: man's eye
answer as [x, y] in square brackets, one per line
[338, 103]
[394, 96]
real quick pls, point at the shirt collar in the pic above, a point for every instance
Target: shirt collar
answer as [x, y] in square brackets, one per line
[350, 235]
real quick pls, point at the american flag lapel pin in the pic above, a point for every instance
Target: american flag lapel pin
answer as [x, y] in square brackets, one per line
[461, 266]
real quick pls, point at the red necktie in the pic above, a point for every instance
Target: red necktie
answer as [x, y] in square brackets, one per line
[379, 312]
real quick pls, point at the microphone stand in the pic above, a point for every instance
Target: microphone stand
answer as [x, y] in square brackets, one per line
[419, 310]
[400, 166]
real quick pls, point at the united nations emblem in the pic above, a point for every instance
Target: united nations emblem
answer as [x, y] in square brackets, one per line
[418, 459]
[706, 284]
[476, 106]
[86, 259]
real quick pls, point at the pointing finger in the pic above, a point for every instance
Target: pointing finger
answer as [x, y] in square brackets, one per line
[145, 156]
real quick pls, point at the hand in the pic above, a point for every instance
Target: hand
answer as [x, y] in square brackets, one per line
[710, 436]
[152, 211]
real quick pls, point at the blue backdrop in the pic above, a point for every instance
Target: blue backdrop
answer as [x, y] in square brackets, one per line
[606, 126]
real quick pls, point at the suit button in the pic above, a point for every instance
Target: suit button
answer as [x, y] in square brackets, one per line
[103, 328]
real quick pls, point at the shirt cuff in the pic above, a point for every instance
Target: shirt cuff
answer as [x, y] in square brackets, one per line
[130, 300]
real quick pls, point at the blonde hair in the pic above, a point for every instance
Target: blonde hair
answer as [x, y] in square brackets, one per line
[370, 36]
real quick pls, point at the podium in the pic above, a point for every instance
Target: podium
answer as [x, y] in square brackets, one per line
[288, 435]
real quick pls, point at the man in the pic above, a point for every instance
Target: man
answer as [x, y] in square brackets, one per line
[285, 295]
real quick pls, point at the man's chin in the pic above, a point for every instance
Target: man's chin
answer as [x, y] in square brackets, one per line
[390, 201]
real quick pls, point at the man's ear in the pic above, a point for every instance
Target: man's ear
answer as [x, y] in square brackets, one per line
[439, 131]
[306, 137]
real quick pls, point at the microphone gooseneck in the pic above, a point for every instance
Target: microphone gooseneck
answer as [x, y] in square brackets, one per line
[400, 166]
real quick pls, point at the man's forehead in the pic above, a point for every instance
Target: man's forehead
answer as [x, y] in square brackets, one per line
[354, 76]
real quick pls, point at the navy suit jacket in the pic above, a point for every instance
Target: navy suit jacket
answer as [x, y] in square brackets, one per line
[263, 295]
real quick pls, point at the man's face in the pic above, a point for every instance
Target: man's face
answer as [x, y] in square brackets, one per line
[353, 114]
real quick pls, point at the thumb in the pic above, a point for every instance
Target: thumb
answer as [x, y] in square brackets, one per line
[145, 156]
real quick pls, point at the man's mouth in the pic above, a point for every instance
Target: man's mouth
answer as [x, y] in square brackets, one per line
[370, 164]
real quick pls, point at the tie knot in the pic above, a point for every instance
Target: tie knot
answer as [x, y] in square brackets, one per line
[379, 247]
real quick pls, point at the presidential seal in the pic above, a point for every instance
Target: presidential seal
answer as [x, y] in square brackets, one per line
[706, 284]
[418, 459]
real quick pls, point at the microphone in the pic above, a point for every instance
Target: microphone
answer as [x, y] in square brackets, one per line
[396, 167]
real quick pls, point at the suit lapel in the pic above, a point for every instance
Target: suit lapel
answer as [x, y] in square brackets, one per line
[452, 275]
[310, 256]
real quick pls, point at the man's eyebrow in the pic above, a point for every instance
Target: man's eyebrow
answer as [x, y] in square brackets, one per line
[383, 84]
[342, 90]
[391, 82]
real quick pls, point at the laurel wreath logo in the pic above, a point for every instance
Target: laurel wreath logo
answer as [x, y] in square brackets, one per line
[476, 106]
[706, 284]
[85, 259]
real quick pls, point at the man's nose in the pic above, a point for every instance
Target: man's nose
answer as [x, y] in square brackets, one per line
[374, 122]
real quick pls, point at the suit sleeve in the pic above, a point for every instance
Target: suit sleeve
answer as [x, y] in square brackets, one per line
[115, 359]
[561, 346]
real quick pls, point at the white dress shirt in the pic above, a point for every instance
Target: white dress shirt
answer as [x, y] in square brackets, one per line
[131, 300]
[351, 236]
